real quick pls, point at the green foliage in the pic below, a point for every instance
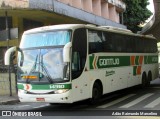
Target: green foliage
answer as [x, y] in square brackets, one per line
[136, 13]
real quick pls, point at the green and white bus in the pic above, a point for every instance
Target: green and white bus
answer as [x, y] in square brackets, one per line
[69, 63]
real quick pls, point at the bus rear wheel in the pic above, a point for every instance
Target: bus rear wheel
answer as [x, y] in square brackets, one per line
[144, 80]
[96, 93]
[149, 78]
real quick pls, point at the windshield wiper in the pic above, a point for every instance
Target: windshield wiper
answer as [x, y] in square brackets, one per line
[33, 68]
[34, 65]
[41, 66]
[45, 70]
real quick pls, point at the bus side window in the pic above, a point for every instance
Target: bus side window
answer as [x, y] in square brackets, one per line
[95, 41]
[107, 42]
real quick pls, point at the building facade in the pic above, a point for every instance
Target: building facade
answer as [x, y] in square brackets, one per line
[16, 16]
[108, 9]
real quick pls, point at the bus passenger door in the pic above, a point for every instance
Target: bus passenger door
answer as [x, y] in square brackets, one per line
[80, 88]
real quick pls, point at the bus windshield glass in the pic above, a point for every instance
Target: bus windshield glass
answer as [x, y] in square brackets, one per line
[42, 65]
[41, 57]
[49, 38]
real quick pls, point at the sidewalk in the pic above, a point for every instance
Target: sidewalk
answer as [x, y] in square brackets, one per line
[4, 100]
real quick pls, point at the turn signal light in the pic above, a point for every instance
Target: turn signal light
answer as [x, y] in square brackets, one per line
[29, 77]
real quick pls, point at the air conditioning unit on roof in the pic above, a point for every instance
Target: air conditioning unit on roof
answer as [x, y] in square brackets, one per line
[116, 28]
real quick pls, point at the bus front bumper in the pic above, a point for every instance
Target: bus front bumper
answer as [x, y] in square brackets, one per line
[50, 98]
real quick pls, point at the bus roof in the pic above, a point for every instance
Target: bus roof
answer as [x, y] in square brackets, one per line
[55, 27]
[91, 26]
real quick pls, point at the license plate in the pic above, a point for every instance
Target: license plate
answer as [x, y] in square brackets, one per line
[40, 99]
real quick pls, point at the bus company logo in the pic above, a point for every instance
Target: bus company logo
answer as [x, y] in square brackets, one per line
[27, 87]
[103, 62]
[111, 61]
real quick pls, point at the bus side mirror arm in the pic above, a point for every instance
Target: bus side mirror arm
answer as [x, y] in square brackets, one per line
[66, 52]
[8, 55]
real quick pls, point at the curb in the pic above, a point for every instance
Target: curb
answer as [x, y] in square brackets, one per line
[9, 102]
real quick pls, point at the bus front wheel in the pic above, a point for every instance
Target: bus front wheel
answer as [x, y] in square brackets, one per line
[96, 93]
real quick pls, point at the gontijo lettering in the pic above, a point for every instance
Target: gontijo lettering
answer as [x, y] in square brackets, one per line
[111, 61]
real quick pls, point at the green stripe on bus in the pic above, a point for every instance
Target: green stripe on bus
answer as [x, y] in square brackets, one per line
[152, 59]
[118, 61]
[46, 86]
[137, 60]
[20, 86]
[145, 59]
[110, 61]
[91, 58]
[134, 70]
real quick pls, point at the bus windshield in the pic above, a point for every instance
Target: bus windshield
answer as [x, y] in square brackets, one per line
[43, 57]
[42, 65]
[49, 38]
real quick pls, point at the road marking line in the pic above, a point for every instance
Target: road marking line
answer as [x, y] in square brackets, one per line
[116, 101]
[42, 106]
[23, 106]
[153, 104]
[137, 100]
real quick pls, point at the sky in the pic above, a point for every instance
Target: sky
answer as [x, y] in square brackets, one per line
[151, 8]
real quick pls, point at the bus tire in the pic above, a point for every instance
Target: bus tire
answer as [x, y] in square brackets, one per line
[144, 80]
[96, 93]
[149, 78]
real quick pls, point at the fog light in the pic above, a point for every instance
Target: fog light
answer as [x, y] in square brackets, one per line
[22, 91]
[60, 91]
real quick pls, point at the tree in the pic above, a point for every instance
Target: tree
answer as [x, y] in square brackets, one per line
[136, 13]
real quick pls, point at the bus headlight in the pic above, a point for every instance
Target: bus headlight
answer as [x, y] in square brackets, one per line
[22, 91]
[61, 91]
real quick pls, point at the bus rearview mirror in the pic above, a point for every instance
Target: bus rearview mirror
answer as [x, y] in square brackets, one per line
[66, 52]
[8, 53]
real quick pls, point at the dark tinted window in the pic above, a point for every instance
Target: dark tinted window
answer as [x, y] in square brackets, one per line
[3, 23]
[102, 41]
[95, 40]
